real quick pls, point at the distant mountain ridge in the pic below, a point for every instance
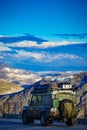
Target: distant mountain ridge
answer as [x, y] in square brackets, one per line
[2, 65]
[26, 78]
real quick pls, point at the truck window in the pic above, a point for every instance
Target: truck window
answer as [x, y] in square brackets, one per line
[46, 99]
[39, 100]
[34, 101]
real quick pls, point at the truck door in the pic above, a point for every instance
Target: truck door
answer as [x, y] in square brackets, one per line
[38, 108]
[32, 107]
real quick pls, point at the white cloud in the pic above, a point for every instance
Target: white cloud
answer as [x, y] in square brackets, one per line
[4, 48]
[55, 44]
[61, 43]
[23, 44]
[24, 54]
[45, 57]
[43, 44]
[1, 57]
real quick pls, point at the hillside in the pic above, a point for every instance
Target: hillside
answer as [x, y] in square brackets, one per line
[7, 87]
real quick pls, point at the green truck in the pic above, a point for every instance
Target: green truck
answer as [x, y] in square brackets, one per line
[51, 104]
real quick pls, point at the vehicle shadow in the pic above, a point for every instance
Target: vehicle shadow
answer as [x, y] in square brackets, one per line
[18, 122]
[55, 124]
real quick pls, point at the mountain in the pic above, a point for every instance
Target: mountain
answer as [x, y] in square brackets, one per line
[2, 65]
[78, 78]
[7, 87]
[26, 78]
[84, 81]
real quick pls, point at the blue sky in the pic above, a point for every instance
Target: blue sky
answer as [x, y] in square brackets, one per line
[44, 35]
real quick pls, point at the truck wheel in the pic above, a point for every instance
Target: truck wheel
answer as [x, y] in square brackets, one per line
[25, 118]
[65, 109]
[71, 121]
[43, 119]
[50, 121]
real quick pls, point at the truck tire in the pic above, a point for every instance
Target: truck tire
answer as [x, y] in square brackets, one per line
[43, 119]
[50, 121]
[66, 109]
[25, 119]
[71, 121]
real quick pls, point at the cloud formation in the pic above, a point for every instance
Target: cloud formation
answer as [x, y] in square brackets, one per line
[1, 57]
[44, 56]
[4, 48]
[28, 37]
[43, 44]
[75, 35]
[27, 53]
[36, 42]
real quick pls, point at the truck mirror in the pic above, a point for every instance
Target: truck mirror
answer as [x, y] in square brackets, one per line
[75, 88]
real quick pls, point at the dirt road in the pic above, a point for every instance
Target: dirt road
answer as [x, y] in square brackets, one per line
[16, 124]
